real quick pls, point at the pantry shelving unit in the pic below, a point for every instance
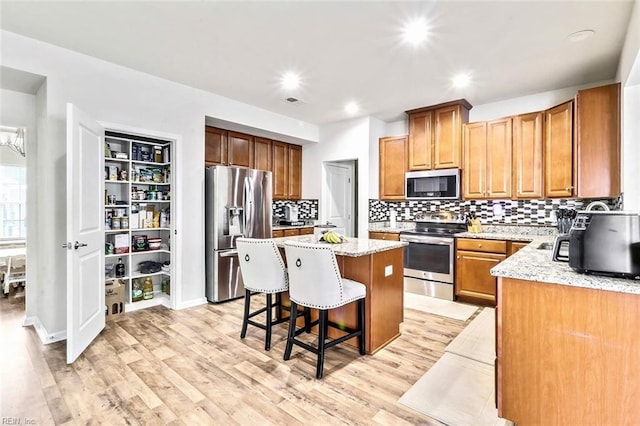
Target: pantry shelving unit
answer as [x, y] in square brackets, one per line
[138, 189]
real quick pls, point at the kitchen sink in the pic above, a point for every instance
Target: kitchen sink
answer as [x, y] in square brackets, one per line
[545, 246]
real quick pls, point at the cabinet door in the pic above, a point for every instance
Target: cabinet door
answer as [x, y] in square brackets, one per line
[420, 141]
[498, 183]
[598, 142]
[447, 138]
[393, 160]
[474, 160]
[558, 151]
[215, 146]
[473, 277]
[527, 156]
[240, 149]
[280, 170]
[295, 172]
[262, 154]
[514, 246]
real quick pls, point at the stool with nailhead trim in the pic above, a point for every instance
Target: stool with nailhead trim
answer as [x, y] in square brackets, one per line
[263, 271]
[315, 282]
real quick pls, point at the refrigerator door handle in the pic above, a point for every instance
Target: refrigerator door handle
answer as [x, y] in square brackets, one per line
[230, 253]
[245, 200]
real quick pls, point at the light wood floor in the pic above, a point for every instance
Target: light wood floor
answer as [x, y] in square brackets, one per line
[190, 367]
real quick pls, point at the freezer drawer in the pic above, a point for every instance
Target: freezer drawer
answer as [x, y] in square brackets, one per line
[224, 280]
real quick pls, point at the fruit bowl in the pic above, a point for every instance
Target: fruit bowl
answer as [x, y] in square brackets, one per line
[332, 237]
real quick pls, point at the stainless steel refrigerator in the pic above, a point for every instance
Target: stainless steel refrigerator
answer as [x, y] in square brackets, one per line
[237, 204]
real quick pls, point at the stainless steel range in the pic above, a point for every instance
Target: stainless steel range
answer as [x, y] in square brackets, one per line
[429, 259]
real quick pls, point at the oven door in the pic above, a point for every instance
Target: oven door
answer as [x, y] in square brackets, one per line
[429, 258]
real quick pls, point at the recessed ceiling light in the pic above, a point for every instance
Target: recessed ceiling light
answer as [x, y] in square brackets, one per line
[290, 80]
[580, 35]
[415, 32]
[351, 108]
[461, 80]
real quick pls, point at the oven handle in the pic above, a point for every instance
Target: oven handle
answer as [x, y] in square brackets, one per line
[427, 240]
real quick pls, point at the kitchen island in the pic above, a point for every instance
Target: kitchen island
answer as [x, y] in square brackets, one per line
[568, 344]
[379, 266]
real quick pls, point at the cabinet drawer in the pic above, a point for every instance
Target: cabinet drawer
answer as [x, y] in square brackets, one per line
[306, 231]
[277, 233]
[389, 236]
[488, 246]
[291, 232]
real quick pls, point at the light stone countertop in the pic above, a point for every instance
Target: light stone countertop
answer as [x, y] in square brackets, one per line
[495, 236]
[353, 247]
[384, 227]
[533, 264]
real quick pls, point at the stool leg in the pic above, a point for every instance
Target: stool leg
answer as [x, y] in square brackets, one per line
[361, 326]
[267, 339]
[307, 320]
[292, 330]
[245, 319]
[322, 335]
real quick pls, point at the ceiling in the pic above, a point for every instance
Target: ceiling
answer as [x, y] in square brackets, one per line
[343, 50]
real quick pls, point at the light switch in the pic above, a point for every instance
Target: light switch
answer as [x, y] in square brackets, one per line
[388, 270]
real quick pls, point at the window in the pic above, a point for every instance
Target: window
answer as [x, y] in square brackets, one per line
[13, 202]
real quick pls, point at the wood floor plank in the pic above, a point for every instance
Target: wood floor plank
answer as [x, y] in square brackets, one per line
[161, 367]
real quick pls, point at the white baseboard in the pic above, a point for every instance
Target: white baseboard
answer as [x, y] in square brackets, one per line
[45, 337]
[192, 303]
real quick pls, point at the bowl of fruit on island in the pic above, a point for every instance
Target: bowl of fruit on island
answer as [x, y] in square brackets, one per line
[332, 237]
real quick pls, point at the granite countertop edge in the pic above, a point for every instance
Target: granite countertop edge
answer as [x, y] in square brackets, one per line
[353, 247]
[533, 264]
[283, 227]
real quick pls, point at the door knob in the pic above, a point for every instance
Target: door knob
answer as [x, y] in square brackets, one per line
[78, 245]
[67, 246]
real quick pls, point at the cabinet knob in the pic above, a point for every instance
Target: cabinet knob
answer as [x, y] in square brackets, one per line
[568, 188]
[479, 245]
[457, 257]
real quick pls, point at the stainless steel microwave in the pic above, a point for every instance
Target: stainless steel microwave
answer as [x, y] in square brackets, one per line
[433, 185]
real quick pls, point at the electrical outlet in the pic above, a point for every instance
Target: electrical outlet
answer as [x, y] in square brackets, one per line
[388, 270]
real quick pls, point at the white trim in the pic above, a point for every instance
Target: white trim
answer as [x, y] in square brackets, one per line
[176, 205]
[192, 303]
[45, 337]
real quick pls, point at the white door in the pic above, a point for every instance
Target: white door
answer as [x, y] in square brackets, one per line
[85, 231]
[339, 209]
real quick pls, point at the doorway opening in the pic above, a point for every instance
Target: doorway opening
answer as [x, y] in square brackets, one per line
[13, 208]
[340, 195]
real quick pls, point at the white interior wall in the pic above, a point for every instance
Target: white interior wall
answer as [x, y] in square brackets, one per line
[344, 140]
[377, 130]
[114, 94]
[631, 148]
[631, 47]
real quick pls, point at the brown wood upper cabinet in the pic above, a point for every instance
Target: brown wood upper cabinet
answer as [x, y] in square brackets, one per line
[558, 151]
[227, 148]
[262, 154]
[435, 135]
[393, 163]
[598, 142]
[527, 155]
[487, 159]
[287, 171]
[215, 146]
[240, 149]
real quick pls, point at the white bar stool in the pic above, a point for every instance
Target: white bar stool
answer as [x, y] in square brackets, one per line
[315, 282]
[263, 271]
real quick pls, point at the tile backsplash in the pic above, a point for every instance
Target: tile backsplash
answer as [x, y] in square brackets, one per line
[525, 212]
[307, 209]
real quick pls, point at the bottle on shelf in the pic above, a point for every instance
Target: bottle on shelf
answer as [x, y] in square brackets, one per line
[120, 272]
[136, 290]
[147, 289]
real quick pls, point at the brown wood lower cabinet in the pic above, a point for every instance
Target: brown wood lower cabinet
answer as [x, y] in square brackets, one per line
[277, 233]
[389, 236]
[567, 355]
[384, 305]
[474, 260]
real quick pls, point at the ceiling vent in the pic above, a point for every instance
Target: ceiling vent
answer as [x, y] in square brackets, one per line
[291, 100]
